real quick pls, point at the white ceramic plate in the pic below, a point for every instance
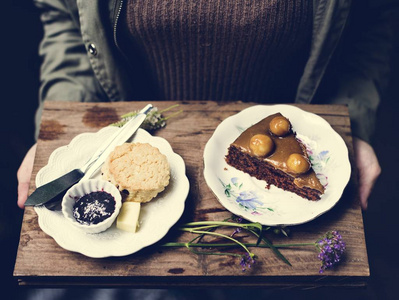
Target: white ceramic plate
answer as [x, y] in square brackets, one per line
[247, 197]
[156, 217]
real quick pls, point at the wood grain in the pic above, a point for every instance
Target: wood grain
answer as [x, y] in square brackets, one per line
[41, 262]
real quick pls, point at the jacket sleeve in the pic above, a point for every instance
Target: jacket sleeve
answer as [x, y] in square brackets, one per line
[66, 73]
[361, 68]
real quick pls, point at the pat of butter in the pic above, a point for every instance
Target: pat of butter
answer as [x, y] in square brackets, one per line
[128, 217]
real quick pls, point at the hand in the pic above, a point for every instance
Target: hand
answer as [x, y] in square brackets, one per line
[368, 167]
[24, 174]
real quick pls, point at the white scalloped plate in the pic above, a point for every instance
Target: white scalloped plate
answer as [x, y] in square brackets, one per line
[247, 197]
[156, 217]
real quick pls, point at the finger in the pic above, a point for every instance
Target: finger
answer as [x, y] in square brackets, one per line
[364, 192]
[368, 168]
[366, 183]
[23, 175]
[23, 189]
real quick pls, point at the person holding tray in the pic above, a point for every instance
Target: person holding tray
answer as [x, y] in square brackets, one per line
[319, 52]
[270, 52]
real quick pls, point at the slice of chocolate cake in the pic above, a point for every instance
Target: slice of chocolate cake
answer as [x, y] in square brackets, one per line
[270, 151]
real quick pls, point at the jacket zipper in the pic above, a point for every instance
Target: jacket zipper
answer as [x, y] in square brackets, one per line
[118, 14]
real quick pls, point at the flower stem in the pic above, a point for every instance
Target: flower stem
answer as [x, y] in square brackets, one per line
[271, 246]
[210, 224]
[210, 245]
[191, 249]
[218, 235]
[168, 108]
[173, 115]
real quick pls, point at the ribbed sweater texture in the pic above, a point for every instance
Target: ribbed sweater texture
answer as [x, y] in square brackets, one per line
[247, 50]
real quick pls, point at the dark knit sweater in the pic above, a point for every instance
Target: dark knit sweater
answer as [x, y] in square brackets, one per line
[248, 50]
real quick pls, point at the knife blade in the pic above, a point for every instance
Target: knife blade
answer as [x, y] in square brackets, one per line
[55, 188]
[132, 126]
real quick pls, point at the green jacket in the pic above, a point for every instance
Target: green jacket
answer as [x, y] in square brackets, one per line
[81, 60]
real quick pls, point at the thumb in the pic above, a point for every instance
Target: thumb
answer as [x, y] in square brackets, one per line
[24, 174]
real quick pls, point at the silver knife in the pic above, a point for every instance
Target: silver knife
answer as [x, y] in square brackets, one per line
[54, 190]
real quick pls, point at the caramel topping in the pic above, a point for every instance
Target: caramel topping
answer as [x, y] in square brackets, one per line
[284, 147]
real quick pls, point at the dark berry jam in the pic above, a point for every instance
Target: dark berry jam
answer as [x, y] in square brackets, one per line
[94, 208]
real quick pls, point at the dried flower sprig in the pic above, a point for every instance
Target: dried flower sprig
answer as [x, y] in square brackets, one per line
[331, 246]
[154, 119]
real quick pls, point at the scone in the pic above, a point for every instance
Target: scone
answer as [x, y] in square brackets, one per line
[139, 170]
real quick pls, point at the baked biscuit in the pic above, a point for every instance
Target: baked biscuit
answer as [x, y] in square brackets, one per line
[139, 170]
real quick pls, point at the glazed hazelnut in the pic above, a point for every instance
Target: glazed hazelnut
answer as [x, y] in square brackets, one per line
[261, 144]
[297, 163]
[280, 126]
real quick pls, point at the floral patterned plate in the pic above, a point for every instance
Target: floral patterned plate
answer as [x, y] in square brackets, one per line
[248, 197]
[156, 217]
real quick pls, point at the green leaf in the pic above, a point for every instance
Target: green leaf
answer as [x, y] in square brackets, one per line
[274, 249]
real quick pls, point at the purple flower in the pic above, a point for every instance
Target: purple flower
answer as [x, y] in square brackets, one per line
[237, 219]
[248, 200]
[238, 229]
[331, 248]
[247, 261]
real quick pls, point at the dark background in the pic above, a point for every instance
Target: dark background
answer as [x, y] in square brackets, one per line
[21, 33]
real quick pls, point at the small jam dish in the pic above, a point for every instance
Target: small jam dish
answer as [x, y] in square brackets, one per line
[92, 205]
